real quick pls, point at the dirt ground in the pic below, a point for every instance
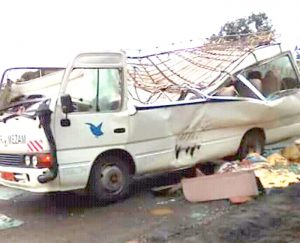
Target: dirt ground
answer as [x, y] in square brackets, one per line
[145, 217]
[68, 217]
[270, 218]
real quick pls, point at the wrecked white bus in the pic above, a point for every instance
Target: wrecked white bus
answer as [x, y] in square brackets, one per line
[108, 117]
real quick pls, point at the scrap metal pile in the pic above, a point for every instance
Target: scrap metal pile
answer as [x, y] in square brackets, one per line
[166, 74]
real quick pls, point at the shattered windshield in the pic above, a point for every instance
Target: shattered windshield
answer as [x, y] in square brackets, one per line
[21, 88]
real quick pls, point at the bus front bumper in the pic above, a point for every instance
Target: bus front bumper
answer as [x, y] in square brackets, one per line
[26, 179]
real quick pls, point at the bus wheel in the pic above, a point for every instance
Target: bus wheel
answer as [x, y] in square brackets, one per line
[110, 179]
[252, 142]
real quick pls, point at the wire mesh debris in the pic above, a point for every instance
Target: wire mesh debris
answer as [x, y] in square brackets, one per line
[168, 73]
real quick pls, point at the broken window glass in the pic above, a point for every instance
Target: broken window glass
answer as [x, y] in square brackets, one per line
[272, 77]
[95, 89]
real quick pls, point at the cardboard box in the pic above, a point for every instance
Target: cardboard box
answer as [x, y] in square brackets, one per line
[220, 186]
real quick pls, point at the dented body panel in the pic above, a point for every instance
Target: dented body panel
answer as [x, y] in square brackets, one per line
[161, 112]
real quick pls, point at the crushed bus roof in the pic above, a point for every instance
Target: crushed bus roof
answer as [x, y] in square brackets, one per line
[197, 67]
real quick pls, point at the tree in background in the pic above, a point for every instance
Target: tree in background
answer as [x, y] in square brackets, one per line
[253, 24]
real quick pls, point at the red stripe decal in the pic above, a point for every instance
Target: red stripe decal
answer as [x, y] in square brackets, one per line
[30, 148]
[32, 144]
[38, 145]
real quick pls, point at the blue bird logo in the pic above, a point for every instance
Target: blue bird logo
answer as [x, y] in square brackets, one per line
[96, 130]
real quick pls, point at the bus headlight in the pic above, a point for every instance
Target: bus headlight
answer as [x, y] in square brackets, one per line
[34, 161]
[27, 160]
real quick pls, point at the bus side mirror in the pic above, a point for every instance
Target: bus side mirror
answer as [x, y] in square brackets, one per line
[66, 104]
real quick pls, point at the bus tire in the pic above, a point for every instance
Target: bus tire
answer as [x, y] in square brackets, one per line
[110, 179]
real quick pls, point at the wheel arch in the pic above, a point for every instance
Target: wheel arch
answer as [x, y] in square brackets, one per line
[122, 154]
[255, 129]
[103, 193]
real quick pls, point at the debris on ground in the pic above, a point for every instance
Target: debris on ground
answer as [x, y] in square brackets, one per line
[276, 178]
[6, 222]
[220, 186]
[239, 200]
[239, 180]
[275, 171]
[166, 202]
[161, 211]
[255, 158]
[277, 159]
[292, 153]
[133, 241]
[9, 193]
[168, 190]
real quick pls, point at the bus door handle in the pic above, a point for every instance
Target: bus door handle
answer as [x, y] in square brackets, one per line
[119, 130]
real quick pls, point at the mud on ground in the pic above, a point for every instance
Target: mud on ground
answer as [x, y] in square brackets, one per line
[273, 217]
